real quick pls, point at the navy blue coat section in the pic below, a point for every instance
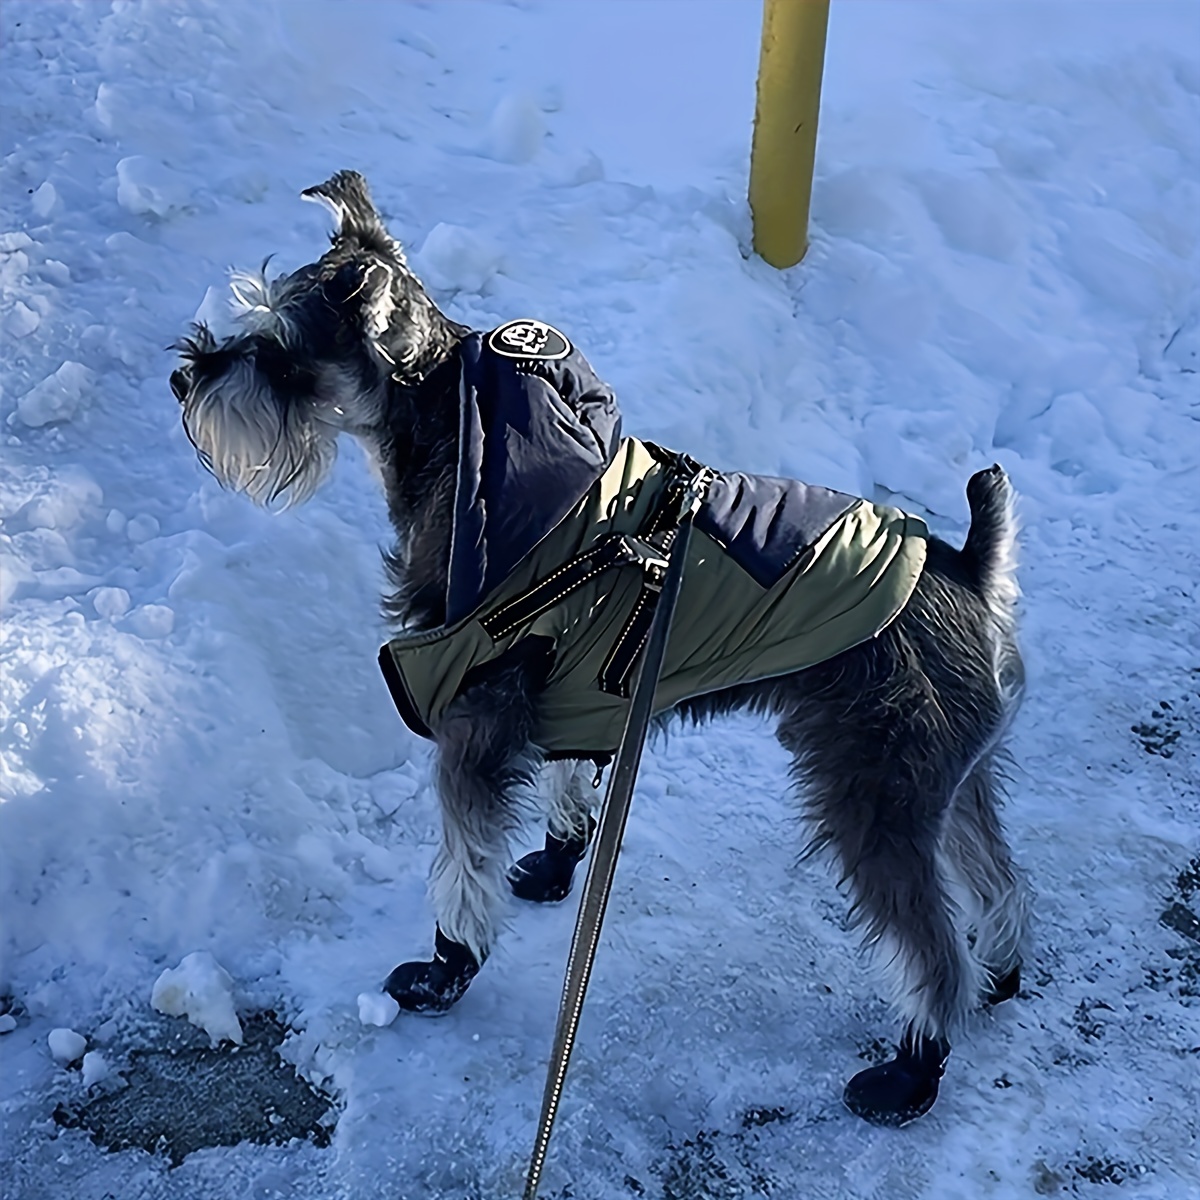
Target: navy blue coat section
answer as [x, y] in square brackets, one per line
[765, 523]
[534, 436]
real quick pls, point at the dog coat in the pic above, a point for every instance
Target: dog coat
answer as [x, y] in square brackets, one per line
[780, 575]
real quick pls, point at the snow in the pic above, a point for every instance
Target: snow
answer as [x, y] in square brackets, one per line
[197, 755]
[66, 1046]
[58, 397]
[201, 990]
[95, 1068]
[377, 1008]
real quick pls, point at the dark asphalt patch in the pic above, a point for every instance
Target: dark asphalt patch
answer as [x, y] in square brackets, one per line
[188, 1096]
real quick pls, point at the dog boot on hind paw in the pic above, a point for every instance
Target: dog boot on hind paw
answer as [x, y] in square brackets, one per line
[545, 875]
[433, 987]
[903, 1089]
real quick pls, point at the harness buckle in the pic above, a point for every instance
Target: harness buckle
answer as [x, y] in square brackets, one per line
[648, 556]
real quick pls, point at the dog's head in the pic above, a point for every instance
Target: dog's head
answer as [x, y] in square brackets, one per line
[313, 357]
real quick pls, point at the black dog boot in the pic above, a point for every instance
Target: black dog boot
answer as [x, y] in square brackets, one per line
[545, 875]
[434, 987]
[1004, 988]
[899, 1091]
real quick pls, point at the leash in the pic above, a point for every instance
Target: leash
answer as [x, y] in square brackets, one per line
[689, 494]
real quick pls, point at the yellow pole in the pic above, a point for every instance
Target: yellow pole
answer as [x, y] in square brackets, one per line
[785, 126]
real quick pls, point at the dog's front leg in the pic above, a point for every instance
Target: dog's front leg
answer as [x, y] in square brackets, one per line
[483, 756]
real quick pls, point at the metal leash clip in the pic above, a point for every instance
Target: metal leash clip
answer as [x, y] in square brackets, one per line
[648, 556]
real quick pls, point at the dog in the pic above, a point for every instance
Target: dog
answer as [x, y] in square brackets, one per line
[895, 731]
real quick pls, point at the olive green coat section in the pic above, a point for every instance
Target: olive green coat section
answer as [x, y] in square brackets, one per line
[727, 628]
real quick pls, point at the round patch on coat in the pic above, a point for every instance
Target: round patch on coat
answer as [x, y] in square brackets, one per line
[529, 339]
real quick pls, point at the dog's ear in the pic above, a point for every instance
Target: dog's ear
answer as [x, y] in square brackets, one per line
[347, 196]
[201, 351]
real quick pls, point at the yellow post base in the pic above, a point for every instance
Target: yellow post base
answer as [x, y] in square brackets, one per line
[785, 126]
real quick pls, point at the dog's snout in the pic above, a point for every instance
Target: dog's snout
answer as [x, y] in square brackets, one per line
[179, 385]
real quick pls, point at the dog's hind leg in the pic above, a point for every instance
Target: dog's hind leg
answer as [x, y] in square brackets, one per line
[882, 736]
[545, 875]
[483, 758]
[978, 854]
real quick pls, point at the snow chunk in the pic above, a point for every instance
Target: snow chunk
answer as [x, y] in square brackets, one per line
[217, 310]
[144, 186]
[12, 242]
[21, 320]
[95, 1068]
[142, 528]
[376, 1008]
[455, 259]
[110, 601]
[44, 199]
[152, 621]
[56, 398]
[58, 273]
[516, 129]
[7, 1023]
[66, 1045]
[14, 573]
[201, 990]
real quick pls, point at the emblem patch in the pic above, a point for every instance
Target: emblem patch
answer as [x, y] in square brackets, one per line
[529, 339]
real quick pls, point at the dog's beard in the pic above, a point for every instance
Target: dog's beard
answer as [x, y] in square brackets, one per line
[274, 454]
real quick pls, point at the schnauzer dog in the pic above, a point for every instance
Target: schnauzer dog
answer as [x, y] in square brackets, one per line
[488, 446]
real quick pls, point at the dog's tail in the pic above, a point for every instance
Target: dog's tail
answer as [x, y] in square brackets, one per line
[990, 552]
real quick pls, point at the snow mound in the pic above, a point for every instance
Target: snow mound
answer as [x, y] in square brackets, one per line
[455, 259]
[201, 990]
[145, 187]
[516, 130]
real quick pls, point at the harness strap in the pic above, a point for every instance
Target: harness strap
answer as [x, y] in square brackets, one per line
[651, 550]
[688, 486]
[613, 550]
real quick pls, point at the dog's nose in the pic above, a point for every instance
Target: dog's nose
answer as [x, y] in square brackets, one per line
[179, 385]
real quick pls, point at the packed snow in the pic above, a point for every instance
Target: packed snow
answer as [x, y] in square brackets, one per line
[201, 990]
[200, 764]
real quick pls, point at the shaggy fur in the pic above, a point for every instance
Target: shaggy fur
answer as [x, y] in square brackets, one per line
[894, 742]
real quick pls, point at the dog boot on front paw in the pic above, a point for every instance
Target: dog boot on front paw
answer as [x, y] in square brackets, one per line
[433, 987]
[546, 875]
[903, 1089]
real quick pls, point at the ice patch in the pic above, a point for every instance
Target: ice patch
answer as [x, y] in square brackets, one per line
[455, 259]
[7, 1023]
[201, 990]
[376, 1008]
[66, 1045]
[56, 398]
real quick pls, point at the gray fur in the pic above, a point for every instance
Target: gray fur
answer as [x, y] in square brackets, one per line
[893, 742]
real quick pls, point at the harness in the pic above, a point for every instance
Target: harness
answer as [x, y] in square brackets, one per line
[650, 549]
